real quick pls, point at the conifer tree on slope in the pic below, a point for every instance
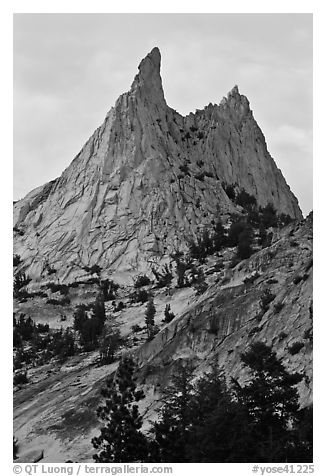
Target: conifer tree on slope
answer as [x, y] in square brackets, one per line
[272, 403]
[219, 431]
[149, 318]
[121, 440]
[172, 428]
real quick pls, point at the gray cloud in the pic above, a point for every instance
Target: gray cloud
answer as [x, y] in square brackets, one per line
[70, 68]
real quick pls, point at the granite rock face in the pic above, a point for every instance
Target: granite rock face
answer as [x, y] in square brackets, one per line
[56, 411]
[221, 324]
[146, 181]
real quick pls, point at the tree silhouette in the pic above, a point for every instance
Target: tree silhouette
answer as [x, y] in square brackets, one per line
[272, 403]
[172, 428]
[121, 440]
[149, 318]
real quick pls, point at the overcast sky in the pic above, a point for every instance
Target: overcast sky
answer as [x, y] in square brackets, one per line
[70, 69]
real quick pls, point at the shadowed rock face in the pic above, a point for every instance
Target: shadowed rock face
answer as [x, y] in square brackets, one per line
[144, 182]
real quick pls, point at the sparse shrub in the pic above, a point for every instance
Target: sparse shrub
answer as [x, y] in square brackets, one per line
[245, 200]
[59, 302]
[163, 277]
[141, 295]
[278, 307]
[297, 279]
[308, 335]
[200, 176]
[200, 284]
[253, 331]
[282, 336]
[20, 378]
[283, 220]
[168, 314]
[109, 289]
[55, 287]
[218, 267]
[50, 269]
[20, 280]
[259, 316]
[251, 279]
[119, 307]
[19, 231]
[16, 260]
[266, 299]
[184, 168]
[272, 281]
[142, 280]
[95, 269]
[295, 348]
[74, 284]
[42, 328]
[136, 328]
[229, 190]
[211, 241]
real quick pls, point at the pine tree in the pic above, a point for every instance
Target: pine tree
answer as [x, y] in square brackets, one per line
[98, 308]
[149, 318]
[244, 249]
[219, 237]
[109, 344]
[172, 429]
[121, 440]
[181, 268]
[272, 403]
[219, 430]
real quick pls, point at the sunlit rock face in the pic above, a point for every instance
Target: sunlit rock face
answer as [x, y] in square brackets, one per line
[144, 183]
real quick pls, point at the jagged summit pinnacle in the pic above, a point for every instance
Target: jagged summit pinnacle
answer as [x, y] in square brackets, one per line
[236, 102]
[152, 60]
[145, 181]
[234, 90]
[148, 80]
